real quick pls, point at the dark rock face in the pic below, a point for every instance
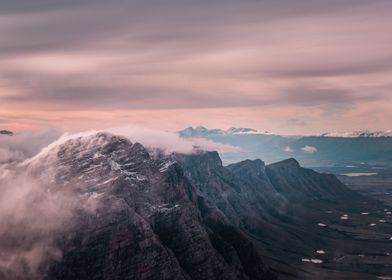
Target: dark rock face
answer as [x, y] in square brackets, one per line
[289, 178]
[150, 222]
[280, 207]
[6, 132]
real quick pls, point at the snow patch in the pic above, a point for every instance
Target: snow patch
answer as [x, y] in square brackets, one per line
[359, 174]
[316, 261]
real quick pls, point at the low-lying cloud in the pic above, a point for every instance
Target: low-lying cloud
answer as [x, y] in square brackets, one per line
[170, 142]
[24, 145]
[33, 212]
[309, 149]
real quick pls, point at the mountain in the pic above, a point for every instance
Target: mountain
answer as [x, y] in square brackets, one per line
[290, 212]
[290, 179]
[6, 132]
[187, 216]
[151, 223]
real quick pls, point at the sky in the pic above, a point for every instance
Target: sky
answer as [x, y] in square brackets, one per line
[288, 66]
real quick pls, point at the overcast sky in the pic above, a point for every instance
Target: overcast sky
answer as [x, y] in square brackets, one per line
[287, 66]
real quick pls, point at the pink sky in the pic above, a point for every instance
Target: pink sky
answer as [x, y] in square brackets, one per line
[293, 67]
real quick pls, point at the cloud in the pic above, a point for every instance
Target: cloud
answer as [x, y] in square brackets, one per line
[297, 122]
[167, 142]
[24, 145]
[33, 212]
[7, 155]
[138, 55]
[119, 39]
[170, 142]
[288, 149]
[309, 149]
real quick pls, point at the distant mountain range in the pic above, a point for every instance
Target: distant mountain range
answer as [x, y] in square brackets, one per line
[319, 150]
[201, 131]
[362, 133]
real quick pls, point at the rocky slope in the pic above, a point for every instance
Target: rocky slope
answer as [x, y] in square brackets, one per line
[150, 222]
[159, 216]
[290, 212]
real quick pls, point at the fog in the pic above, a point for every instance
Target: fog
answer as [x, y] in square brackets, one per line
[26, 144]
[32, 213]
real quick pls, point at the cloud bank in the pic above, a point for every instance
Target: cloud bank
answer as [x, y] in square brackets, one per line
[150, 59]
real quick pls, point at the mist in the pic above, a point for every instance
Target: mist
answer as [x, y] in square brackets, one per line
[32, 213]
[26, 144]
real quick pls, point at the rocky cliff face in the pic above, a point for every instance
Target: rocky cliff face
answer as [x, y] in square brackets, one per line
[297, 183]
[149, 222]
[288, 211]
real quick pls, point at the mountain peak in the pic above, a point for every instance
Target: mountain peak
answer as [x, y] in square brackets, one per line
[288, 162]
[248, 168]
[253, 164]
[80, 144]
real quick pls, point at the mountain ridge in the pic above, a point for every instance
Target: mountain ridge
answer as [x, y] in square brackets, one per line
[187, 216]
[148, 205]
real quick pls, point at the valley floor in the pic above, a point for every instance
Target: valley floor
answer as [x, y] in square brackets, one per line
[359, 240]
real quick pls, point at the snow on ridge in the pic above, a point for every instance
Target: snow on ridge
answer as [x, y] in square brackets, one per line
[203, 131]
[357, 134]
[46, 151]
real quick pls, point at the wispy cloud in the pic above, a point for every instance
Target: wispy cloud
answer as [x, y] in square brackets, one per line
[149, 55]
[309, 149]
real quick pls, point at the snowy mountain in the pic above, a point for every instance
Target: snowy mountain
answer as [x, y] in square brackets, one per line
[201, 131]
[135, 215]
